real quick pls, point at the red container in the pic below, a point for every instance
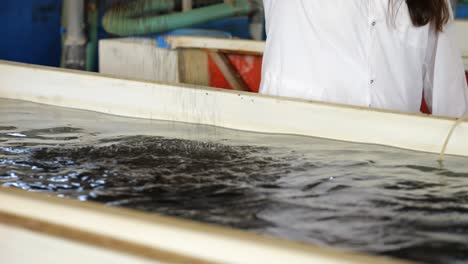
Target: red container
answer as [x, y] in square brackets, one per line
[248, 66]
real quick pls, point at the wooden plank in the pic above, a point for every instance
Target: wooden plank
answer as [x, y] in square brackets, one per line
[193, 67]
[227, 45]
[230, 73]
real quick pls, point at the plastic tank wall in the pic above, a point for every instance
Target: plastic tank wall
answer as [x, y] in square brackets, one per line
[30, 31]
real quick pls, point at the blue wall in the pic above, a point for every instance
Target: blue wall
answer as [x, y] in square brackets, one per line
[30, 31]
[462, 11]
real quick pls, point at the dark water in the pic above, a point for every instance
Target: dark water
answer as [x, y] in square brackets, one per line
[357, 197]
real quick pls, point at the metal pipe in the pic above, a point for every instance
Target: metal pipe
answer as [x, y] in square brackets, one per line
[75, 39]
[256, 19]
[187, 5]
[92, 30]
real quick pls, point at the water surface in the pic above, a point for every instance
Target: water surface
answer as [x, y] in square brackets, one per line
[357, 197]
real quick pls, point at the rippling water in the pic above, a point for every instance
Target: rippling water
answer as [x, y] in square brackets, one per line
[358, 197]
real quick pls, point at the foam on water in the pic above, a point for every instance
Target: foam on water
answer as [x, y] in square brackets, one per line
[358, 197]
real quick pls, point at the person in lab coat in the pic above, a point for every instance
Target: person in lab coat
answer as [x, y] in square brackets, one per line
[371, 53]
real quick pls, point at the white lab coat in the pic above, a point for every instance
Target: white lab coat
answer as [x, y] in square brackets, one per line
[351, 52]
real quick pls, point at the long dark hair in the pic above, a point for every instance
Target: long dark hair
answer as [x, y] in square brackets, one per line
[423, 12]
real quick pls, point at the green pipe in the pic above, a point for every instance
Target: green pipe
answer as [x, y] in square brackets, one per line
[136, 8]
[127, 20]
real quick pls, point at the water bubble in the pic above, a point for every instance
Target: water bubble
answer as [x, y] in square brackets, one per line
[16, 135]
[82, 197]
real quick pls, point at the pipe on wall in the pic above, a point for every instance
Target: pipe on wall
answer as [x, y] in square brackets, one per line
[75, 38]
[256, 20]
[454, 4]
[128, 20]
